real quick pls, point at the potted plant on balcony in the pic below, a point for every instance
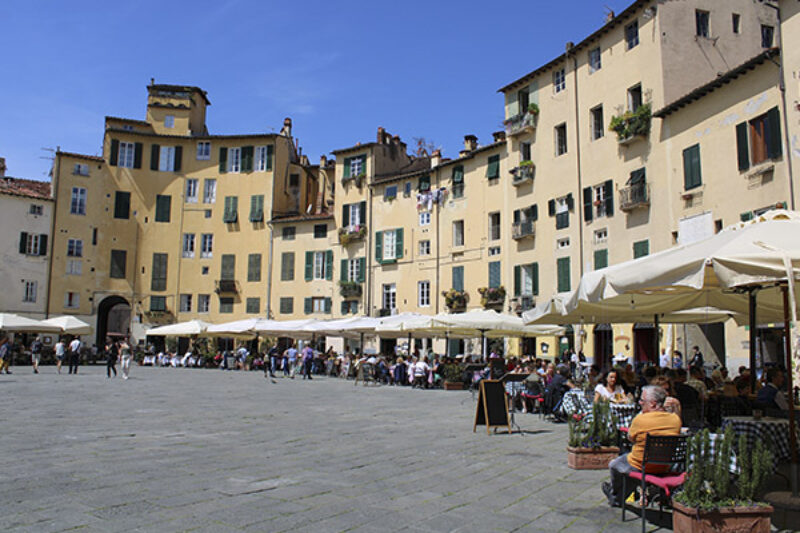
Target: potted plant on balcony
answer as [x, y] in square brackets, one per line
[350, 234]
[533, 108]
[631, 123]
[492, 297]
[349, 289]
[709, 500]
[453, 377]
[455, 300]
[592, 439]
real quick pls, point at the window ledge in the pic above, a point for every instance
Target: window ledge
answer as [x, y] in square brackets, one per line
[760, 169]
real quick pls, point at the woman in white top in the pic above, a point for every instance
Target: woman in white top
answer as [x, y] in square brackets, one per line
[125, 353]
[609, 390]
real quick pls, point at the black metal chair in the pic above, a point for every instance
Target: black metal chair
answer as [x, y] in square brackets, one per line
[668, 453]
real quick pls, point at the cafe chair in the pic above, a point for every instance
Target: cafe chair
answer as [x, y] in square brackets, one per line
[668, 454]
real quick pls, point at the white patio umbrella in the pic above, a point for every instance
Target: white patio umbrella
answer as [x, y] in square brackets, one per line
[9, 322]
[69, 324]
[243, 329]
[181, 329]
[285, 328]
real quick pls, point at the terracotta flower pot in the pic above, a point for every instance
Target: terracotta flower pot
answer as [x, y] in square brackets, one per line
[453, 385]
[591, 458]
[755, 519]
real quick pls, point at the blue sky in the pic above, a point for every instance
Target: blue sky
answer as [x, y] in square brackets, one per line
[338, 69]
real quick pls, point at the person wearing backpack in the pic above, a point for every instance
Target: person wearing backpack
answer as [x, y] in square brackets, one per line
[36, 353]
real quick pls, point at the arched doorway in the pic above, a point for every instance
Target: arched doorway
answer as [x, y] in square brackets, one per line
[113, 318]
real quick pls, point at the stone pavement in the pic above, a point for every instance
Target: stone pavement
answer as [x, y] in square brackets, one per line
[207, 450]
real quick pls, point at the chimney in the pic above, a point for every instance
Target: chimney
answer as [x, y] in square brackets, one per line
[463, 153]
[323, 161]
[569, 46]
[499, 136]
[436, 158]
[381, 135]
[470, 143]
[303, 160]
[2, 167]
[287, 127]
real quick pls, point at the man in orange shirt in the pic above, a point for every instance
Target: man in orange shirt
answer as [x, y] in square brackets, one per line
[653, 420]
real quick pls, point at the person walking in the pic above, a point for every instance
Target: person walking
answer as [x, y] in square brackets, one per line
[36, 353]
[60, 350]
[308, 360]
[5, 354]
[289, 360]
[74, 355]
[272, 364]
[112, 354]
[126, 355]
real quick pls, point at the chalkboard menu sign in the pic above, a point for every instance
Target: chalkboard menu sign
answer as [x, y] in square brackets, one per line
[492, 408]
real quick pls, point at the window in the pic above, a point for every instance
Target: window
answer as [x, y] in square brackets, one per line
[597, 127]
[494, 226]
[203, 301]
[74, 248]
[203, 150]
[562, 243]
[526, 280]
[354, 215]
[319, 265]
[389, 245]
[425, 247]
[257, 208]
[209, 191]
[32, 244]
[163, 207]
[206, 245]
[122, 205]
[389, 296]
[119, 258]
[228, 267]
[158, 279]
[234, 160]
[158, 303]
[185, 303]
[206, 213]
[254, 267]
[80, 169]
[263, 158]
[759, 139]
[563, 274]
[349, 307]
[594, 60]
[169, 121]
[390, 192]
[29, 294]
[231, 213]
[407, 189]
[635, 97]
[36, 209]
[126, 155]
[559, 80]
[458, 233]
[562, 207]
[71, 300]
[493, 167]
[287, 266]
[319, 305]
[191, 191]
[286, 306]
[523, 99]
[127, 127]
[226, 304]
[598, 201]
[561, 139]
[600, 259]
[355, 166]
[524, 151]
[424, 293]
[632, 35]
[204, 270]
[252, 306]
[701, 23]
[288, 233]
[74, 267]
[641, 249]
[601, 236]
[692, 176]
[458, 278]
[169, 158]
[94, 236]
[494, 274]
[424, 218]
[494, 250]
[78, 203]
[353, 269]
[188, 245]
[458, 182]
[320, 231]
[767, 36]
[424, 184]
[736, 20]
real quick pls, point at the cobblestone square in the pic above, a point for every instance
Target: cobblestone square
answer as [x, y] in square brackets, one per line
[207, 450]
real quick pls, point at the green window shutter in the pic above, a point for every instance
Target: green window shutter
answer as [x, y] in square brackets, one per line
[231, 213]
[494, 274]
[257, 208]
[424, 183]
[534, 212]
[458, 174]
[270, 150]
[551, 207]
[23, 242]
[228, 269]
[398, 237]
[327, 305]
[118, 260]
[345, 308]
[742, 146]
[517, 216]
[346, 215]
[122, 204]
[570, 202]
[287, 266]
[178, 158]
[563, 272]
[309, 266]
[155, 153]
[774, 133]
[517, 280]
[329, 265]
[493, 168]
[379, 247]
[343, 270]
[535, 278]
[252, 306]
[114, 155]
[600, 259]
[747, 215]
[254, 267]
[458, 278]
[163, 207]
[691, 167]
[223, 160]
[42, 244]
[587, 204]
[362, 269]
[608, 197]
[308, 305]
[137, 155]
[641, 249]
[158, 279]
[247, 158]
[362, 213]
[347, 167]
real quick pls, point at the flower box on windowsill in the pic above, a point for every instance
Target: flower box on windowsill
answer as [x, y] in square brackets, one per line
[492, 297]
[456, 301]
[358, 180]
[632, 125]
[350, 289]
[350, 234]
[523, 173]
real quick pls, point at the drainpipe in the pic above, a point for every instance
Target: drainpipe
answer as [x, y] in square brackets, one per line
[269, 270]
[438, 259]
[370, 232]
[579, 197]
[54, 194]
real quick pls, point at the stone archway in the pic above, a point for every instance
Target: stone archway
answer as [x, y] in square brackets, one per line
[113, 317]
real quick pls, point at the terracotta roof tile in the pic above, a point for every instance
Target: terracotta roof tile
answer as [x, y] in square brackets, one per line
[23, 187]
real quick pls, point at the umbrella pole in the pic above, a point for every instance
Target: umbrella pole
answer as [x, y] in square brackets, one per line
[446, 345]
[751, 296]
[361, 342]
[656, 353]
[410, 351]
[483, 346]
[792, 427]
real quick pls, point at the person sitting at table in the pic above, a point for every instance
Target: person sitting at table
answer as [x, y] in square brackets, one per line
[609, 390]
[556, 388]
[771, 395]
[695, 381]
[653, 420]
[549, 374]
[593, 378]
[671, 403]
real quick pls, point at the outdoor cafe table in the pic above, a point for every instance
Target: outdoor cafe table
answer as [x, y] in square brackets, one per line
[772, 431]
[578, 402]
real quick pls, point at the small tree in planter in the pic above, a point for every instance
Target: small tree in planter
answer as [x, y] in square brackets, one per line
[592, 439]
[533, 108]
[709, 501]
[453, 376]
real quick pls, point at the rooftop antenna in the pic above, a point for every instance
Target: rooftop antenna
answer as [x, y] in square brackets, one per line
[609, 14]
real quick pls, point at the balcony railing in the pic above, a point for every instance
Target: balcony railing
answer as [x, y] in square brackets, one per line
[519, 124]
[633, 196]
[522, 174]
[350, 289]
[226, 286]
[350, 234]
[523, 230]
[632, 125]
[523, 303]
